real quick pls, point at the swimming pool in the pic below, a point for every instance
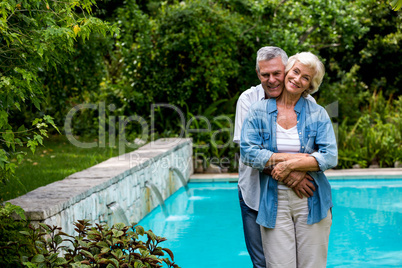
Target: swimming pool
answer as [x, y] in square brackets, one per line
[204, 227]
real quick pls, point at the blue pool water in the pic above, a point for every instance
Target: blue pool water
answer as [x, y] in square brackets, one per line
[204, 227]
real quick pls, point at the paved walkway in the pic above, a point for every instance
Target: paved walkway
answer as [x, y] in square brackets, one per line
[340, 174]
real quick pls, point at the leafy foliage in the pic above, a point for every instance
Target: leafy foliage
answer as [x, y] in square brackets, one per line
[36, 37]
[375, 139]
[396, 4]
[10, 235]
[186, 53]
[166, 58]
[197, 49]
[99, 246]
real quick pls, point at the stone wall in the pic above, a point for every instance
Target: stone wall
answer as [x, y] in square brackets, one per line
[119, 182]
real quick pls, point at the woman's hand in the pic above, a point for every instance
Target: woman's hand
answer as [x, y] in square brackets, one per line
[303, 162]
[282, 157]
[281, 171]
[298, 155]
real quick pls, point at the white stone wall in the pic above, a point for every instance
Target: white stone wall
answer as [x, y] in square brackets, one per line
[120, 180]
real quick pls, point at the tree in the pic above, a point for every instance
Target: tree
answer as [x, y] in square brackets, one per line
[36, 37]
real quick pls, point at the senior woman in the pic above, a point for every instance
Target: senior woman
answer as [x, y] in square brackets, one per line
[292, 133]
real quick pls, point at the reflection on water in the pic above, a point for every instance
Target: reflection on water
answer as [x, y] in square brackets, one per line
[178, 218]
[198, 197]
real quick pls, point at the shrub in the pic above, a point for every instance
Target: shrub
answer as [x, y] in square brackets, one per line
[376, 136]
[11, 240]
[94, 246]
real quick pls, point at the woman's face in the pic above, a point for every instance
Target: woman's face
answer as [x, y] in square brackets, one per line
[299, 78]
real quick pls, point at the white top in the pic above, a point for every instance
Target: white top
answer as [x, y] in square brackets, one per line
[287, 141]
[249, 178]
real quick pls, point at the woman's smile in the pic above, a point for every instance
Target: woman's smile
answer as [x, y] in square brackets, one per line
[299, 77]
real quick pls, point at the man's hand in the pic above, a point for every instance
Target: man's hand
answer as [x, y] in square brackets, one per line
[299, 181]
[294, 178]
[268, 170]
[305, 187]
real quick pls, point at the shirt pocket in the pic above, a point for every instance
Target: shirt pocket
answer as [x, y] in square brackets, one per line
[266, 140]
[310, 141]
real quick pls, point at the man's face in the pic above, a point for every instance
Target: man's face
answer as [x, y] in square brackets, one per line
[272, 74]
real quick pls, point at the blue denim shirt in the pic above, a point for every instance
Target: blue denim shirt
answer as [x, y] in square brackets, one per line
[317, 138]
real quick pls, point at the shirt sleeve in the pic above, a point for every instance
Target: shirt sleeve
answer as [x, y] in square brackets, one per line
[243, 104]
[310, 98]
[252, 151]
[327, 154]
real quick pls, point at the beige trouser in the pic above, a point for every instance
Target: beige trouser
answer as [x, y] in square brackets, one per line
[293, 243]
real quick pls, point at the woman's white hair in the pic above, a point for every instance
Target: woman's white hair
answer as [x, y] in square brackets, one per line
[312, 61]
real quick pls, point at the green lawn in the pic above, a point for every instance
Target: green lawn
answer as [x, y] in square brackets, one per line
[54, 161]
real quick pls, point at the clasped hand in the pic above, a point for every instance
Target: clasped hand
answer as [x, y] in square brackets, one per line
[299, 181]
[282, 170]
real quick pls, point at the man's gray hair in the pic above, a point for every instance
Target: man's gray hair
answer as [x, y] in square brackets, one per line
[269, 53]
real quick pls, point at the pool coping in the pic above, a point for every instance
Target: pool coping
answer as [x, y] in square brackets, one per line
[333, 174]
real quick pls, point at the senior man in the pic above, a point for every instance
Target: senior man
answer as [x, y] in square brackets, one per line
[270, 68]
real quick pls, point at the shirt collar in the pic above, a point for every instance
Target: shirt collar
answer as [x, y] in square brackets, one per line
[299, 104]
[272, 105]
[261, 92]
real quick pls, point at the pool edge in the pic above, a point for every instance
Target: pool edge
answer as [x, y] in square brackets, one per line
[333, 174]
